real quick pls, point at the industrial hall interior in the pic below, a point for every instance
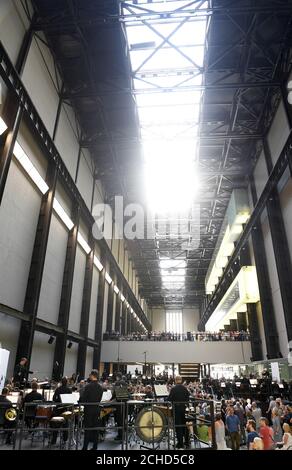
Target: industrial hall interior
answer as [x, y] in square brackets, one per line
[145, 225]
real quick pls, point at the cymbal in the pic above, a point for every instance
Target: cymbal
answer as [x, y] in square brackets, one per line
[138, 394]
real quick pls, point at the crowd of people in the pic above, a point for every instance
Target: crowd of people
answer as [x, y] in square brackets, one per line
[240, 417]
[167, 336]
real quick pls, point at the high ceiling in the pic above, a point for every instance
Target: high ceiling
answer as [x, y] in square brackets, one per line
[245, 59]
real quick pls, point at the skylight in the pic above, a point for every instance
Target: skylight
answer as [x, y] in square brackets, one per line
[166, 41]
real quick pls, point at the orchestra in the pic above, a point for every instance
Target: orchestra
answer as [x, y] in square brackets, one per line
[90, 407]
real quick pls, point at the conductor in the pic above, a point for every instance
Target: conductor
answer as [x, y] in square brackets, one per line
[179, 397]
[92, 394]
[21, 373]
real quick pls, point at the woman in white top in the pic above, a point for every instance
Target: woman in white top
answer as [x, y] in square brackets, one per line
[220, 433]
[287, 437]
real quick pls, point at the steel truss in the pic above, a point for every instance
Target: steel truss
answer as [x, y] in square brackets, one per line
[243, 75]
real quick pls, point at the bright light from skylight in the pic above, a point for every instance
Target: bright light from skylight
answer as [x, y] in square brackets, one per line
[171, 182]
[167, 57]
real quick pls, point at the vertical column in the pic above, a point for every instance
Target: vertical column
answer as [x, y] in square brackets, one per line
[129, 316]
[35, 277]
[233, 324]
[241, 321]
[251, 317]
[110, 306]
[269, 320]
[280, 247]
[65, 303]
[123, 318]
[85, 311]
[99, 315]
[255, 338]
[12, 115]
[118, 309]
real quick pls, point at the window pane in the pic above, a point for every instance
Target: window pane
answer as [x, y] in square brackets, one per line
[174, 322]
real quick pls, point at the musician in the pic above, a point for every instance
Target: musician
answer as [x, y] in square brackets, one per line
[92, 394]
[5, 404]
[148, 392]
[56, 372]
[21, 372]
[62, 390]
[34, 395]
[120, 382]
[179, 396]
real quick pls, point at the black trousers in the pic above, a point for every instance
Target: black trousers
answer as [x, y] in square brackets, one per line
[90, 436]
[181, 428]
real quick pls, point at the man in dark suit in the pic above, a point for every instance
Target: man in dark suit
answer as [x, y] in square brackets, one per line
[179, 397]
[21, 373]
[92, 393]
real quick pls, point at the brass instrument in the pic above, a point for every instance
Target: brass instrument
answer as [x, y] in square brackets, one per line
[106, 411]
[11, 414]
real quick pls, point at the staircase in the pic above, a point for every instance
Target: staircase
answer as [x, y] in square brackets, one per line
[189, 371]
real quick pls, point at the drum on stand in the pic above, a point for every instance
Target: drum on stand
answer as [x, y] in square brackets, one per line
[151, 425]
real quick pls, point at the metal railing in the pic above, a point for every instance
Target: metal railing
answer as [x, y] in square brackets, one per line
[138, 424]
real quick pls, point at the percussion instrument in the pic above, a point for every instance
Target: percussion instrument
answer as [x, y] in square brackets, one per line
[166, 410]
[44, 411]
[57, 422]
[67, 414]
[151, 424]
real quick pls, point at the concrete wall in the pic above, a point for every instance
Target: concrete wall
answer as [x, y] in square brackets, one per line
[20, 207]
[178, 352]
[277, 137]
[9, 332]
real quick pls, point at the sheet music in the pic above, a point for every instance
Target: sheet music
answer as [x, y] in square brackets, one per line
[106, 396]
[70, 398]
[161, 390]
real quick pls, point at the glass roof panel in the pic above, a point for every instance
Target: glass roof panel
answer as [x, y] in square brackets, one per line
[167, 55]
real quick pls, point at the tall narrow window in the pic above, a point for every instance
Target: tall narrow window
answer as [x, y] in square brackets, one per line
[174, 321]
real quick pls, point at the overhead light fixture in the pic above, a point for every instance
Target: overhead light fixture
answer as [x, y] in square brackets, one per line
[69, 345]
[29, 168]
[51, 339]
[97, 263]
[116, 289]
[62, 214]
[108, 278]
[3, 126]
[122, 298]
[83, 243]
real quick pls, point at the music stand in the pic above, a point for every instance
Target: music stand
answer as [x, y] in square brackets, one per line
[122, 393]
[161, 391]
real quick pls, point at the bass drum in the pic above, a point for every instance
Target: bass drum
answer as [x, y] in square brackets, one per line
[151, 425]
